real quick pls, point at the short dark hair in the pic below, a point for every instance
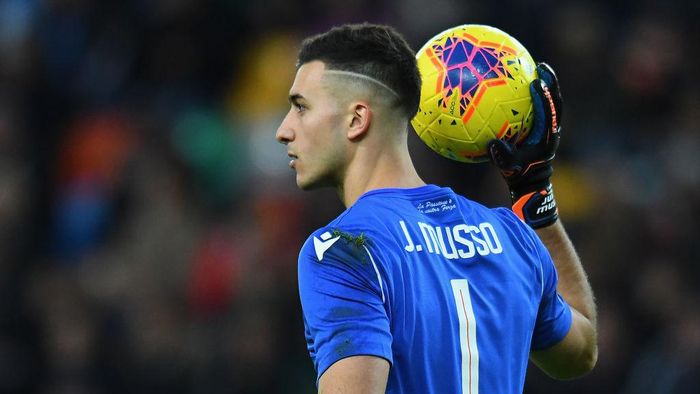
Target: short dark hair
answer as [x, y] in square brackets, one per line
[377, 51]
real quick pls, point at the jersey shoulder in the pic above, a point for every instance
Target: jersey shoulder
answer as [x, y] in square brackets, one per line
[518, 230]
[336, 258]
[345, 237]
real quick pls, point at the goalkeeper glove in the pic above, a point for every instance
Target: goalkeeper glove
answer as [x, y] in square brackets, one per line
[527, 167]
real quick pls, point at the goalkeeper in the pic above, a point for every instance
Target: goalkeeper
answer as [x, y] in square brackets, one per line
[414, 288]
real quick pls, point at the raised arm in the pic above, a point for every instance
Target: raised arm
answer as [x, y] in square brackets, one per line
[527, 169]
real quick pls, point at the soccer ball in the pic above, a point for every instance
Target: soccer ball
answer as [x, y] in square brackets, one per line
[476, 87]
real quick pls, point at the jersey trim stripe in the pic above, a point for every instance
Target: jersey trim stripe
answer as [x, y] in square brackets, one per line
[467, 336]
[379, 277]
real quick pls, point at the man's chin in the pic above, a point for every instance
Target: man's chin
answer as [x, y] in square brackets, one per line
[306, 186]
[312, 184]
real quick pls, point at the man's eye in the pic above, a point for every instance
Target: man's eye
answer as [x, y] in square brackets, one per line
[300, 107]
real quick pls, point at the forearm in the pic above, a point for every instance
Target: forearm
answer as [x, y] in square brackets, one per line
[573, 283]
[577, 353]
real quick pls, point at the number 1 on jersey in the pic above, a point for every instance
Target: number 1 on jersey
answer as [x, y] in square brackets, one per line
[467, 336]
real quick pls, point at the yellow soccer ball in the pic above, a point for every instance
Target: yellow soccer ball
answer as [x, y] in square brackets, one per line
[476, 87]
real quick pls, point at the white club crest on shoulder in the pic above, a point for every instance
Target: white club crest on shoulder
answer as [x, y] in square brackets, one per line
[321, 245]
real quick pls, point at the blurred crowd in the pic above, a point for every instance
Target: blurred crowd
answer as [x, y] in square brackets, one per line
[149, 223]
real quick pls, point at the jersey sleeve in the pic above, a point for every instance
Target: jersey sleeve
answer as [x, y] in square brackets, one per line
[554, 314]
[342, 302]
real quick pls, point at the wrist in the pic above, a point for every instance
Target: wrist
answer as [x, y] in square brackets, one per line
[536, 206]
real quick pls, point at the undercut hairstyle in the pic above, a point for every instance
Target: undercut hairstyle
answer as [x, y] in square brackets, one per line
[376, 51]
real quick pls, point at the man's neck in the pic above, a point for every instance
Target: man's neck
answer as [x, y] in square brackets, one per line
[378, 170]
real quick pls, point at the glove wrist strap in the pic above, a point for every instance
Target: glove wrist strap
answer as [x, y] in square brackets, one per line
[537, 208]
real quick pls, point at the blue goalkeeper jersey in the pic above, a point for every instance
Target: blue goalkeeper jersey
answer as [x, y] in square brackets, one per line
[452, 294]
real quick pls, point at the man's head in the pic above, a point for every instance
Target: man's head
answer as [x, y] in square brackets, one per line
[350, 80]
[379, 53]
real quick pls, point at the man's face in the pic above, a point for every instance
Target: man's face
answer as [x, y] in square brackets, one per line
[313, 130]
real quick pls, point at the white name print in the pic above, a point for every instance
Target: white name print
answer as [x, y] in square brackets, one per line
[461, 241]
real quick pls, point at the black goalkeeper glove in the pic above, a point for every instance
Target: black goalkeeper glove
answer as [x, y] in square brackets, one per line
[528, 166]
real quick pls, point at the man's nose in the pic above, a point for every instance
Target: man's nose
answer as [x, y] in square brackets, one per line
[284, 133]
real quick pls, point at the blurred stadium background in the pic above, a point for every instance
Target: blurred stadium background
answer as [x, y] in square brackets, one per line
[149, 224]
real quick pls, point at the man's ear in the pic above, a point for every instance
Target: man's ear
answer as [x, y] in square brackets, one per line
[360, 121]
